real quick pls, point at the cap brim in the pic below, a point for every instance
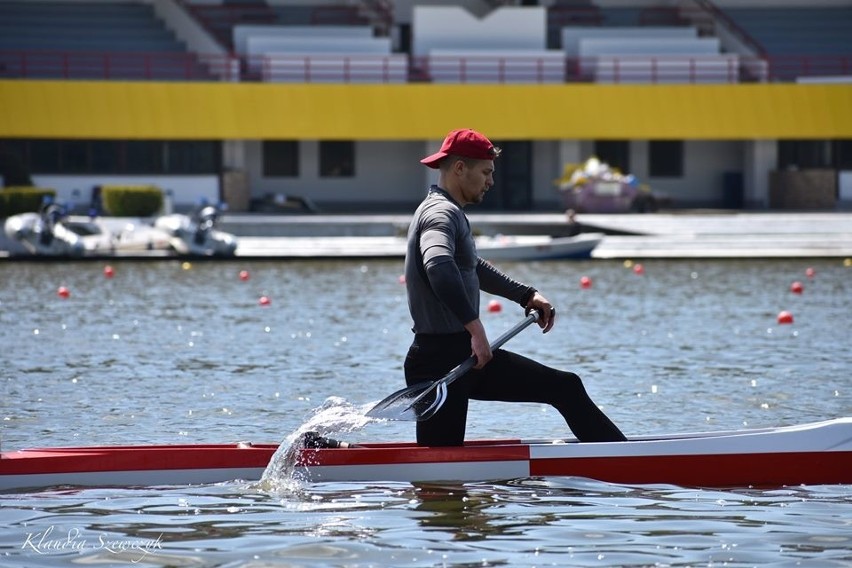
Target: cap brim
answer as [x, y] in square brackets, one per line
[434, 160]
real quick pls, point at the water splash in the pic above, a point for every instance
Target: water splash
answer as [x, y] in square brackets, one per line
[334, 416]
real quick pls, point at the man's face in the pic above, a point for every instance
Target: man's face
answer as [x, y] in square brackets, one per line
[477, 177]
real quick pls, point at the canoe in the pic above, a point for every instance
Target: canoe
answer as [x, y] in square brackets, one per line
[815, 453]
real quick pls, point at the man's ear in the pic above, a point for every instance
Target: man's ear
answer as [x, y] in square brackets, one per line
[458, 166]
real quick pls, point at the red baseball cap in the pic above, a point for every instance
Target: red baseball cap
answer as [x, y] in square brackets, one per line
[466, 143]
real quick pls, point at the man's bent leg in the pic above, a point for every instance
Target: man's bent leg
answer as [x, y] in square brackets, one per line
[431, 358]
[513, 378]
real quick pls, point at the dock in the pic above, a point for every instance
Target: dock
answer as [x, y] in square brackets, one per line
[703, 234]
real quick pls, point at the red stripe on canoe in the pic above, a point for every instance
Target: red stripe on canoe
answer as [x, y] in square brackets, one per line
[393, 454]
[130, 458]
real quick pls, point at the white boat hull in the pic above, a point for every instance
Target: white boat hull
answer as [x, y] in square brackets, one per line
[39, 239]
[516, 248]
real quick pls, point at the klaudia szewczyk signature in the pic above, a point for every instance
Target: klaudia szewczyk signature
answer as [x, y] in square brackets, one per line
[50, 540]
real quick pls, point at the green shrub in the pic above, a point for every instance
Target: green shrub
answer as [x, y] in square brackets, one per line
[132, 201]
[15, 200]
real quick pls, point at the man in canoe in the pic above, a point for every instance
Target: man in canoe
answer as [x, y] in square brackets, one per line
[444, 276]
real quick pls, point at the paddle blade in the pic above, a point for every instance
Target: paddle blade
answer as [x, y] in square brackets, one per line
[401, 405]
[438, 402]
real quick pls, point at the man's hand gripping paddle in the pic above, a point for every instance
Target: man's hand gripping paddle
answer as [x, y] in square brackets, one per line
[421, 401]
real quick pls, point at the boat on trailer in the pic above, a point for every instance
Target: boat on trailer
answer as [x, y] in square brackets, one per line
[811, 454]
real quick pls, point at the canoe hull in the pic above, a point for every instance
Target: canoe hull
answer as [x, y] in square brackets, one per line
[817, 453]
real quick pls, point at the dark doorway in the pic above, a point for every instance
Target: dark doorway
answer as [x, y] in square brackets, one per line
[616, 153]
[512, 189]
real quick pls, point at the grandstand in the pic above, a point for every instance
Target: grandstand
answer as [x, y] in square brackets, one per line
[800, 42]
[716, 42]
[225, 48]
[99, 40]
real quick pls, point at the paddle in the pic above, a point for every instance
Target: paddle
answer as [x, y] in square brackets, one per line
[414, 403]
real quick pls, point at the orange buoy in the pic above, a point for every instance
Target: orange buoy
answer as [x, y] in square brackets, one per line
[585, 282]
[264, 301]
[63, 292]
[785, 317]
[495, 306]
[244, 275]
[796, 287]
[108, 271]
[638, 269]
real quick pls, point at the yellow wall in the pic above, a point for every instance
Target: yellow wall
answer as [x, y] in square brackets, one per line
[150, 110]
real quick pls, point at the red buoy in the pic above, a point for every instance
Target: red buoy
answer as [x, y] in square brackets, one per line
[785, 317]
[401, 279]
[810, 272]
[495, 306]
[264, 301]
[638, 269]
[244, 275]
[108, 271]
[585, 282]
[63, 292]
[796, 287]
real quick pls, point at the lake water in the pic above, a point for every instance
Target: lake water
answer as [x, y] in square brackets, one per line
[171, 353]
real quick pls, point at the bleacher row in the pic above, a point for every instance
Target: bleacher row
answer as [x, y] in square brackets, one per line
[578, 41]
[95, 40]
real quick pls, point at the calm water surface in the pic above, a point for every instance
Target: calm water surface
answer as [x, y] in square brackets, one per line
[163, 353]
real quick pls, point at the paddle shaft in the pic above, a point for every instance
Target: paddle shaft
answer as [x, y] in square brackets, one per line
[468, 364]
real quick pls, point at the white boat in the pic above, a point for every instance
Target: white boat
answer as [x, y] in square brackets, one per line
[44, 234]
[196, 234]
[117, 236]
[813, 454]
[510, 248]
[54, 234]
[537, 247]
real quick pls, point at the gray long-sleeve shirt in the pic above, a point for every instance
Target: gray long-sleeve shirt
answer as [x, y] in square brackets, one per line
[443, 272]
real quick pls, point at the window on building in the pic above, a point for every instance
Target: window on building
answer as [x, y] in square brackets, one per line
[843, 154]
[192, 157]
[44, 156]
[14, 163]
[75, 157]
[337, 159]
[106, 156]
[116, 156]
[665, 158]
[616, 153]
[804, 154]
[144, 157]
[281, 158]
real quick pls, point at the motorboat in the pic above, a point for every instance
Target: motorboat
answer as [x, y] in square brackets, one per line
[43, 233]
[494, 248]
[197, 234]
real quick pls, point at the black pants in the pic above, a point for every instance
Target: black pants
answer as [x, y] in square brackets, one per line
[507, 377]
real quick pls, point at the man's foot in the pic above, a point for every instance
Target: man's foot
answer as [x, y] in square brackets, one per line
[314, 441]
